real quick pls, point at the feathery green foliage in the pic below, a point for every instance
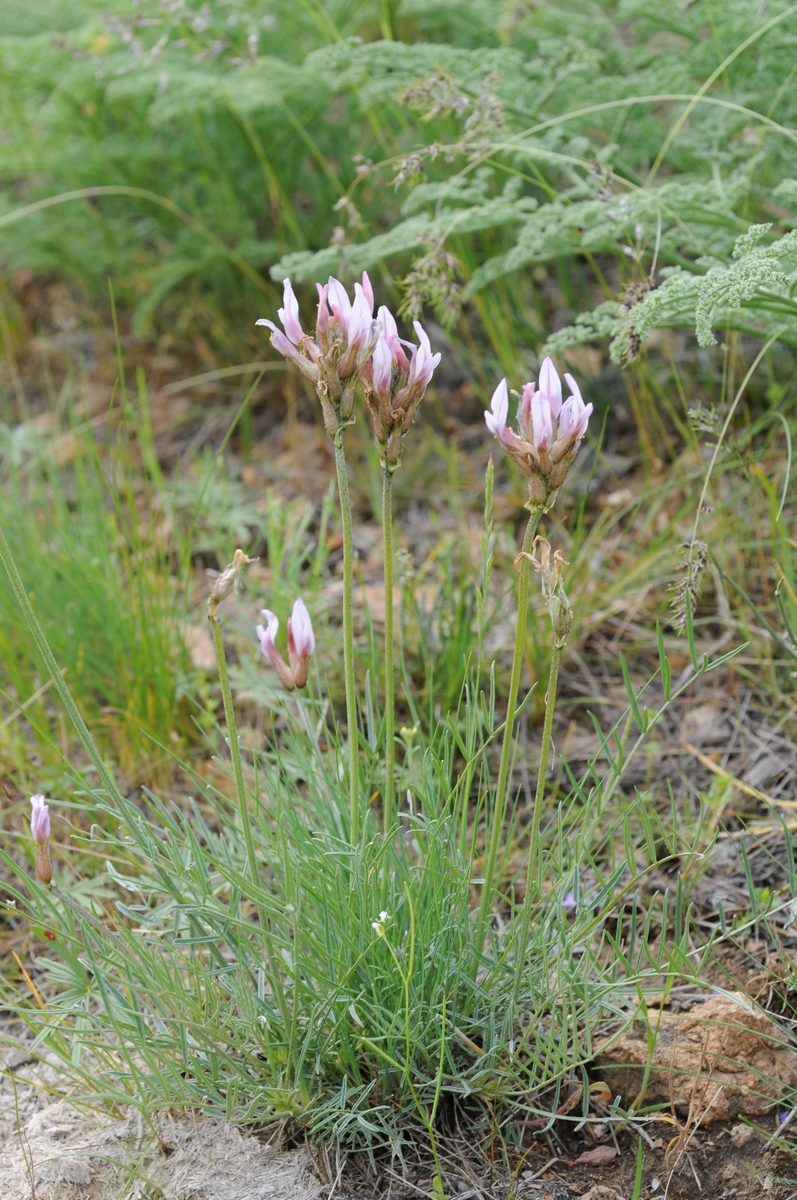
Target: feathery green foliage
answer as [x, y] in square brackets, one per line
[648, 139]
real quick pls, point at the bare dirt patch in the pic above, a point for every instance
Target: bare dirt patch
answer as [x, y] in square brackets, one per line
[51, 1150]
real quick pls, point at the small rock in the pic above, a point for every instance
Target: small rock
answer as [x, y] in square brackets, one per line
[741, 1135]
[722, 1059]
[598, 1156]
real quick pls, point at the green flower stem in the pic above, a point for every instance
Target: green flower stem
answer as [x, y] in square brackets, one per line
[243, 807]
[534, 871]
[235, 749]
[499, 809]
[348, 639]
[534, 868]
[390, 707]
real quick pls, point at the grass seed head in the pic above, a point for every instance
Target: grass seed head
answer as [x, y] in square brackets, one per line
[228, 581]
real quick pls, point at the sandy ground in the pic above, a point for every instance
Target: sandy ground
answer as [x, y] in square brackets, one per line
[50, 1150]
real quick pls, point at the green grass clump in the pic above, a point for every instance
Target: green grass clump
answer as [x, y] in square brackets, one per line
[101, 583]
[286, 992]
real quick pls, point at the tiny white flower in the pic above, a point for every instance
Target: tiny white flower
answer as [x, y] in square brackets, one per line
[379, 926]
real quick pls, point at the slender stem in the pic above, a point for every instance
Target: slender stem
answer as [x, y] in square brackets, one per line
[390, 707]
[534, 868]
[243, 807]
[235, 749]
[534, 875]
[499, 809]
[348, 640]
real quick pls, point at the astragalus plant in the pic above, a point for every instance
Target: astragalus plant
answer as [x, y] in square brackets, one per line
[358, 927]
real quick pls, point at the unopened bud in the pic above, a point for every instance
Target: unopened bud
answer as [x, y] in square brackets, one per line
[40, 828]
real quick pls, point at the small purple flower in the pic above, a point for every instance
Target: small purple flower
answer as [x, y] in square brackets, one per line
[569, 901]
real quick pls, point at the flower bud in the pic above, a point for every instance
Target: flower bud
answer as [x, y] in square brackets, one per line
[301, 641]
[40, 828]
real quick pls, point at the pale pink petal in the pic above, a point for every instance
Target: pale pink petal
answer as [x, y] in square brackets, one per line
[524, 411]
[567, 418]
[289, 314]
[268, 635]
[495, 417]
[541, 421]
[339, 302]
[423, 361]
[388, 323]
[382, 368]
[583, 420]
[40, 819]
[300, 630]
[283, 345]
[369, 293]
[391, 336]
[322, 320]
[360, 318]
[574, 388]
[551, 386]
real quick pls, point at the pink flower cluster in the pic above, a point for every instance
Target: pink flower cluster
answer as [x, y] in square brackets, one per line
[301, 644]
[350, 346]
[550, 430]
[395, 385]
